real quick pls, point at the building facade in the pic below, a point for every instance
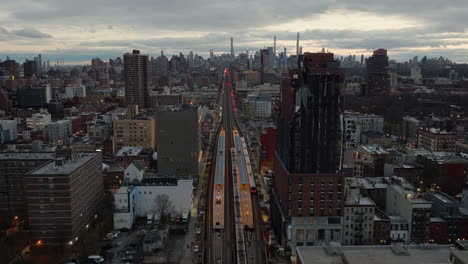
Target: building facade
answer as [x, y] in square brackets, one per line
[75, 91]
[59, 130]
[436, 140]
[403, 202]
[378, 79]
[136, 78]
[14, 165]
[63, 197]
[307, 195]
[179, 141]
[139, 131]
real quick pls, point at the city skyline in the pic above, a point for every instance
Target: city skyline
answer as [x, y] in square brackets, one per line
[79, 32]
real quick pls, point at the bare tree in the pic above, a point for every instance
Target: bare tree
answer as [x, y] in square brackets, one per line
[163, 206]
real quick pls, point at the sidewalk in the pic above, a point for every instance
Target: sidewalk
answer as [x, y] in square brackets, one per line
[188, 255]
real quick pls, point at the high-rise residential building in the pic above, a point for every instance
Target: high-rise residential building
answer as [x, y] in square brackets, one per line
[139, 131]
[378, 80]
[14, 165]
[30, 68]
[63, 197]
[178, 134]
[308, 188]
[136, 78]
[264, 63]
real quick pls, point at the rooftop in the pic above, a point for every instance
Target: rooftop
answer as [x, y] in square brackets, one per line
[27, 155]
[443, 157]
[59, 122]
[67, 168]
[373, 149]
[129, 151]
[375, 254]
[434, 130]
[358, 200]
[442, 197]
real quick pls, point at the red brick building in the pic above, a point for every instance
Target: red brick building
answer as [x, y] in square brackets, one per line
[438, 231]
[268, 146]
[113, 178]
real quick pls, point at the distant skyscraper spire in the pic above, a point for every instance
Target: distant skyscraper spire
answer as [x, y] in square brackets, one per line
[274, 52]
[162, 53]
[232, 47]
[285, 58]
[297, 46]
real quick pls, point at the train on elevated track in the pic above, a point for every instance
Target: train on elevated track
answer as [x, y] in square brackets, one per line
[218, 193]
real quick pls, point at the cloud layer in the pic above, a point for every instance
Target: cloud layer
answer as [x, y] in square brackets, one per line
[79, 30]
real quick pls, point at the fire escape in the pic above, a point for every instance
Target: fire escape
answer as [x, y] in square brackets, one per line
[358, 228]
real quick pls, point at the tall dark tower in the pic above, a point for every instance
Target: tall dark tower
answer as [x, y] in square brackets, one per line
[232, 47]
[378, 80]
[274, 52]
[307, 178]
[136, 78]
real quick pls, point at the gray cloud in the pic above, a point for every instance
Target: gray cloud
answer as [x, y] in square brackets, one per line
[243, 19]
[30, 33]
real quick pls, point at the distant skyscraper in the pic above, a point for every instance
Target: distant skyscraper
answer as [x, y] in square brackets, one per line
[136, 78]
[378, 82]
[274, 52]
[308, 188]
[297, 47]
[30, 68]
[232, 47]
[211, 54]
[271, 57]
[285, 59]
[39, 64]
[362, 58]
[264, 63]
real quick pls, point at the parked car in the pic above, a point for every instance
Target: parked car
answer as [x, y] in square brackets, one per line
[196, 248]
[130, 252]
[96, 258]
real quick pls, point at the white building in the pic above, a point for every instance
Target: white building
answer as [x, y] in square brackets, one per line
[141, 200]
[75, 91]
[356, 123]
[402, 201]
[259, 105]
[60, 129]
[399, 230]
[134, 171]
[124, 211]
[39, 121]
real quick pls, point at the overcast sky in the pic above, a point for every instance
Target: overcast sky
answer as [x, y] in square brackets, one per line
[79, 30]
